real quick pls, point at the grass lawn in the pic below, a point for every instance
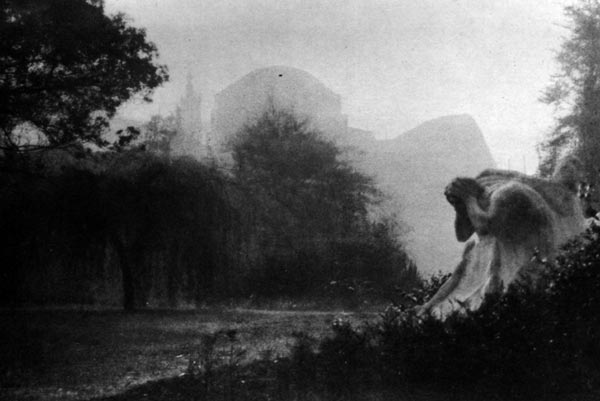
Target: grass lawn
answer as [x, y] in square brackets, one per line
[75, 355]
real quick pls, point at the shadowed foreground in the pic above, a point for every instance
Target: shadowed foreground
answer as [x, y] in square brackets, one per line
[76, 355]
[162, 355]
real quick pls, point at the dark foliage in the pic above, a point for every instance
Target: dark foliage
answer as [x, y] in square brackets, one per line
[313, 235]
[93, 228]
[65, 67]
[575, 92]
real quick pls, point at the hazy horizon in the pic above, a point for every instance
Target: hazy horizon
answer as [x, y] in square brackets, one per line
[394, 64]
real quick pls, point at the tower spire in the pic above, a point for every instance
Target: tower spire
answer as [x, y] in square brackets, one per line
[191, 139]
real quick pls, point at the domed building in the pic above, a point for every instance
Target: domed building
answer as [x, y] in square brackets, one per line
[282, 87]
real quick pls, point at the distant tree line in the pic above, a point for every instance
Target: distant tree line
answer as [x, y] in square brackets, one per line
[136, 227]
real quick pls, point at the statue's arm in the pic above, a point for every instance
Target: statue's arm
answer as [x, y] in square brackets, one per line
[462, 224]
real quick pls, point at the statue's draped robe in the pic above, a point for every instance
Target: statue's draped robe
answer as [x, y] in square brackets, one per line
[537, 217]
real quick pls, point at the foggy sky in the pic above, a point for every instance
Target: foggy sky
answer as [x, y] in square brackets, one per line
[395, 63]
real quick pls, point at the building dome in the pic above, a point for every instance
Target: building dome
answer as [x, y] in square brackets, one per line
[282, 87]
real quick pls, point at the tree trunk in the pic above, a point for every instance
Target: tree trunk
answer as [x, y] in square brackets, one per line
[125, 263]
[173, 270]
[204, 286]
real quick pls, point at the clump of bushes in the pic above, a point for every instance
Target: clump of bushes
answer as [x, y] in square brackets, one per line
[525, 343]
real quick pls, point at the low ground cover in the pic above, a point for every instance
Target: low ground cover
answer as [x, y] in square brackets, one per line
[78, 354]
